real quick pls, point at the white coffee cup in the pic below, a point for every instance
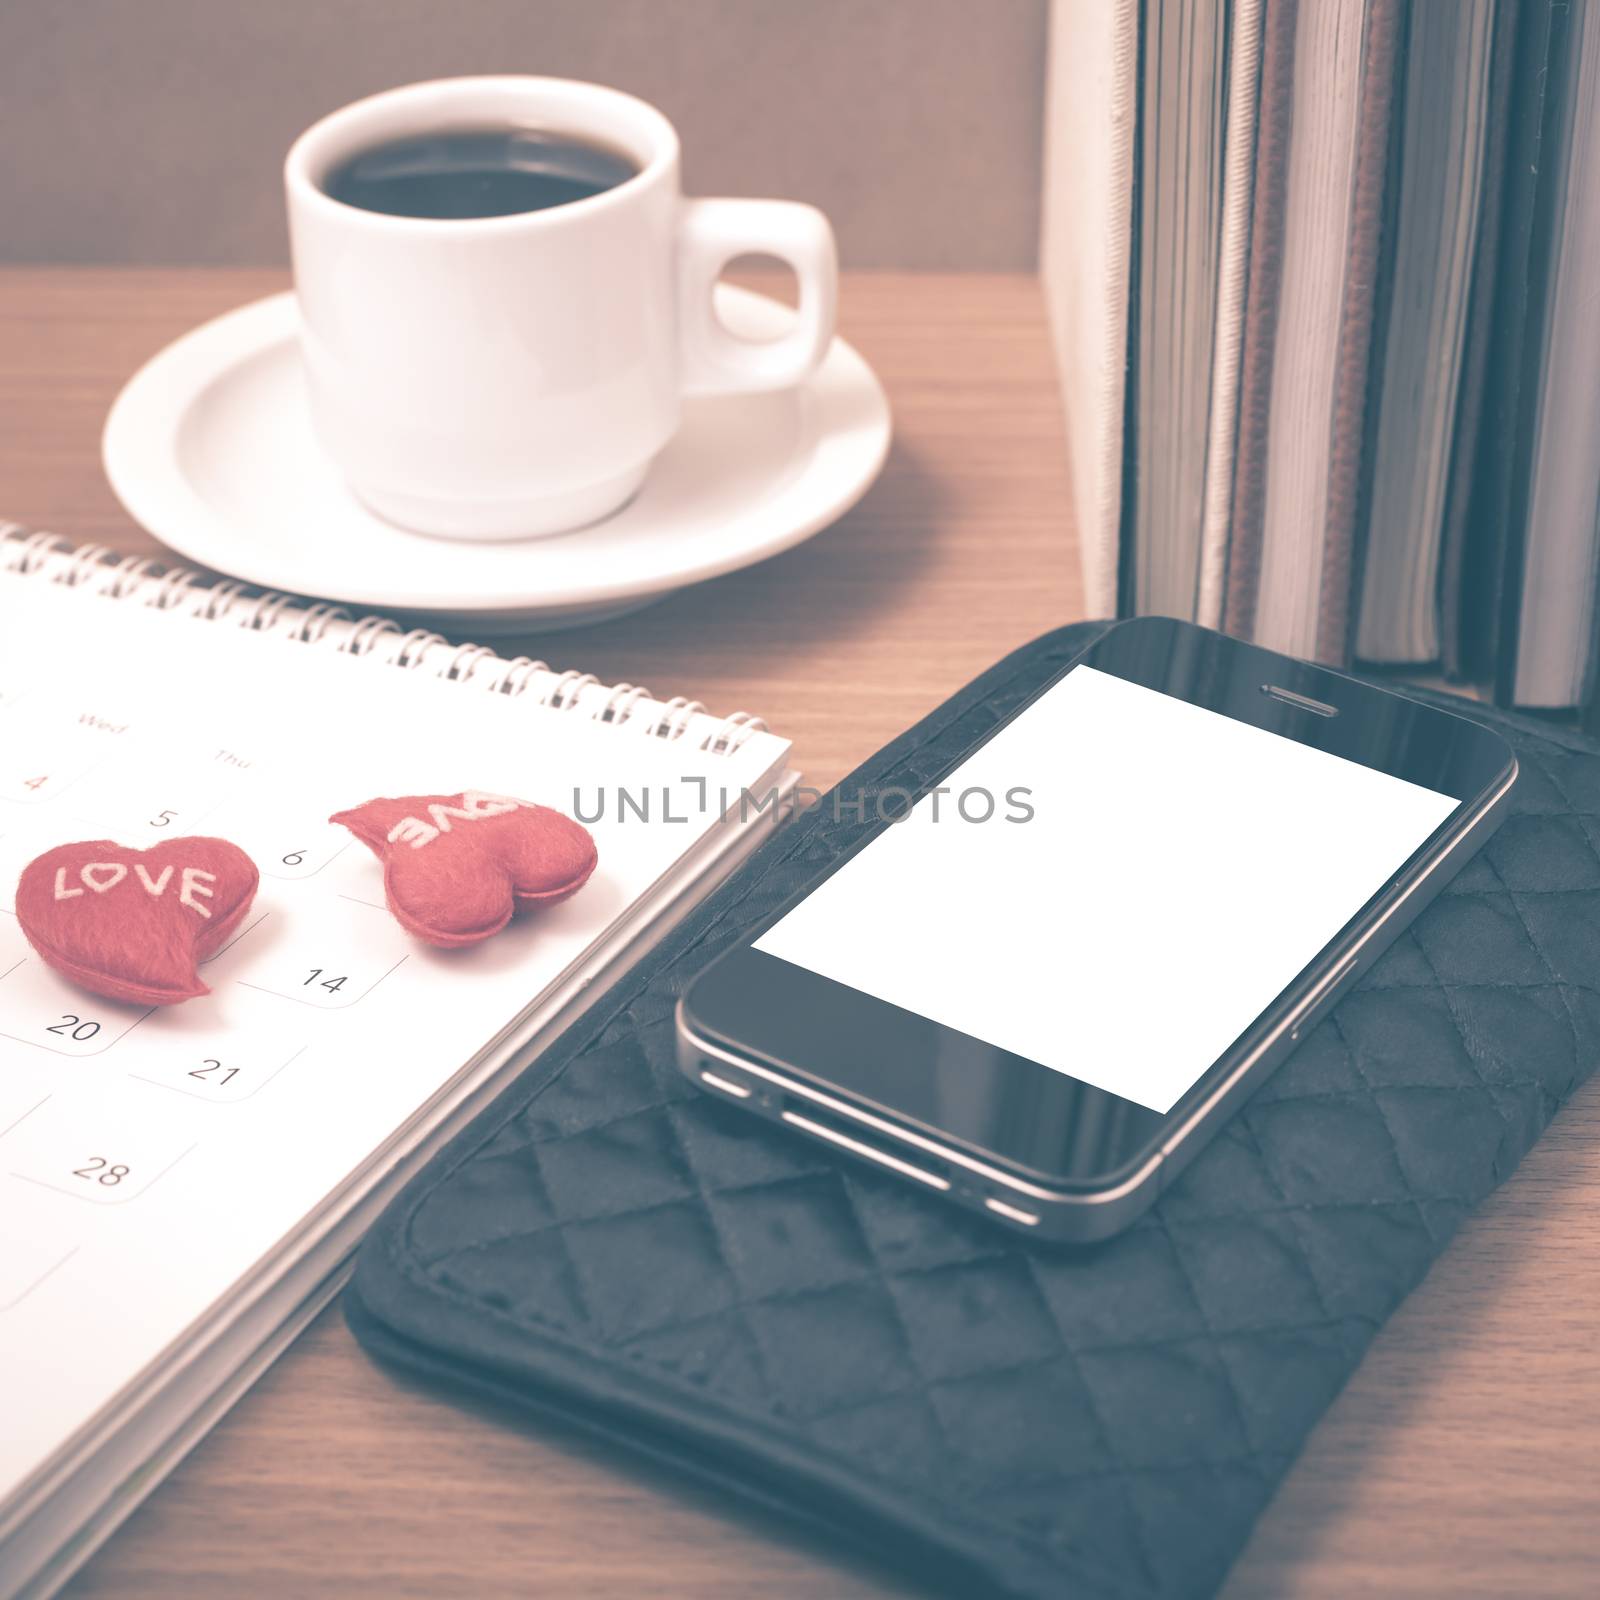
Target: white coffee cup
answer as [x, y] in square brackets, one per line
[502, 377]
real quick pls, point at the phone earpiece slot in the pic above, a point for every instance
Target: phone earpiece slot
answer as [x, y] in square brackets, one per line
[1300, 702]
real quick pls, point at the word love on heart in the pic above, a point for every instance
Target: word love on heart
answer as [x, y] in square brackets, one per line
[443, 814]
[100, 877]
[458, 867]
[135, 925]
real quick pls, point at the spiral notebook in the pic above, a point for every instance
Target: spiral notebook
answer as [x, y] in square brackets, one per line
[180, 1188]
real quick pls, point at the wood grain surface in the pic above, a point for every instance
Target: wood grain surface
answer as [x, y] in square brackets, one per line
[1464, 1458]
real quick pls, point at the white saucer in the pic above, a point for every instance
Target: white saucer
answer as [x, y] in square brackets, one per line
[209, 447]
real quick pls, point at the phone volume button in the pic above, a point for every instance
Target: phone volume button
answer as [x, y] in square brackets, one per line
[860, 1147]
[1317, 1004]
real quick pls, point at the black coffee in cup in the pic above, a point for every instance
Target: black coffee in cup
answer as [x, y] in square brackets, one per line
[460, 173]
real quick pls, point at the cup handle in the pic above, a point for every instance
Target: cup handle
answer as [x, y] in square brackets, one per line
[710, 234]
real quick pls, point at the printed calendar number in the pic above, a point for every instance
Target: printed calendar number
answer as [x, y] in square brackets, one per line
[279, 835]
[210, 1068]
[39, 759]
[106, 1152]
[352, 949]
[151, 794]
[173, 819]
[71, 1026]
[228, 1071]
[34, 781]
[303, 853]
[108, 1174]
[40, 1008]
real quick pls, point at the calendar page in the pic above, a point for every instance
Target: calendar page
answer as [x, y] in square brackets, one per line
[151, 1158]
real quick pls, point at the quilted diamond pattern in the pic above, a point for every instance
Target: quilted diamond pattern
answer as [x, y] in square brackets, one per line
[1010, 1417]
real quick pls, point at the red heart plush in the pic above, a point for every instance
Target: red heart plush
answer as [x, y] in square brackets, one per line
[135, 924]
[456, 867]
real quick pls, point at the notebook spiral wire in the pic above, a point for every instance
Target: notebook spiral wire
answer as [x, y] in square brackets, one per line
[100, 570]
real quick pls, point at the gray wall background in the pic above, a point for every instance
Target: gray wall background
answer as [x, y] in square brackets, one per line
[152, 131]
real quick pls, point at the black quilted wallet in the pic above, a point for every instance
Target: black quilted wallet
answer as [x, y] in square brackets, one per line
[609, 1245]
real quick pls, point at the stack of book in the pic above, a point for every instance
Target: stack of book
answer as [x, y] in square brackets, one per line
[1331, 325]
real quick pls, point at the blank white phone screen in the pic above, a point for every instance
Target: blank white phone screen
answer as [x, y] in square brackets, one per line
[1178, 869]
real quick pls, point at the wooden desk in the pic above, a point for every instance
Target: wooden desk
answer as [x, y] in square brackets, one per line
[1463, 1460]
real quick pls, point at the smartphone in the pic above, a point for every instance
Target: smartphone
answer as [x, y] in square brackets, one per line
[1039, 984]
